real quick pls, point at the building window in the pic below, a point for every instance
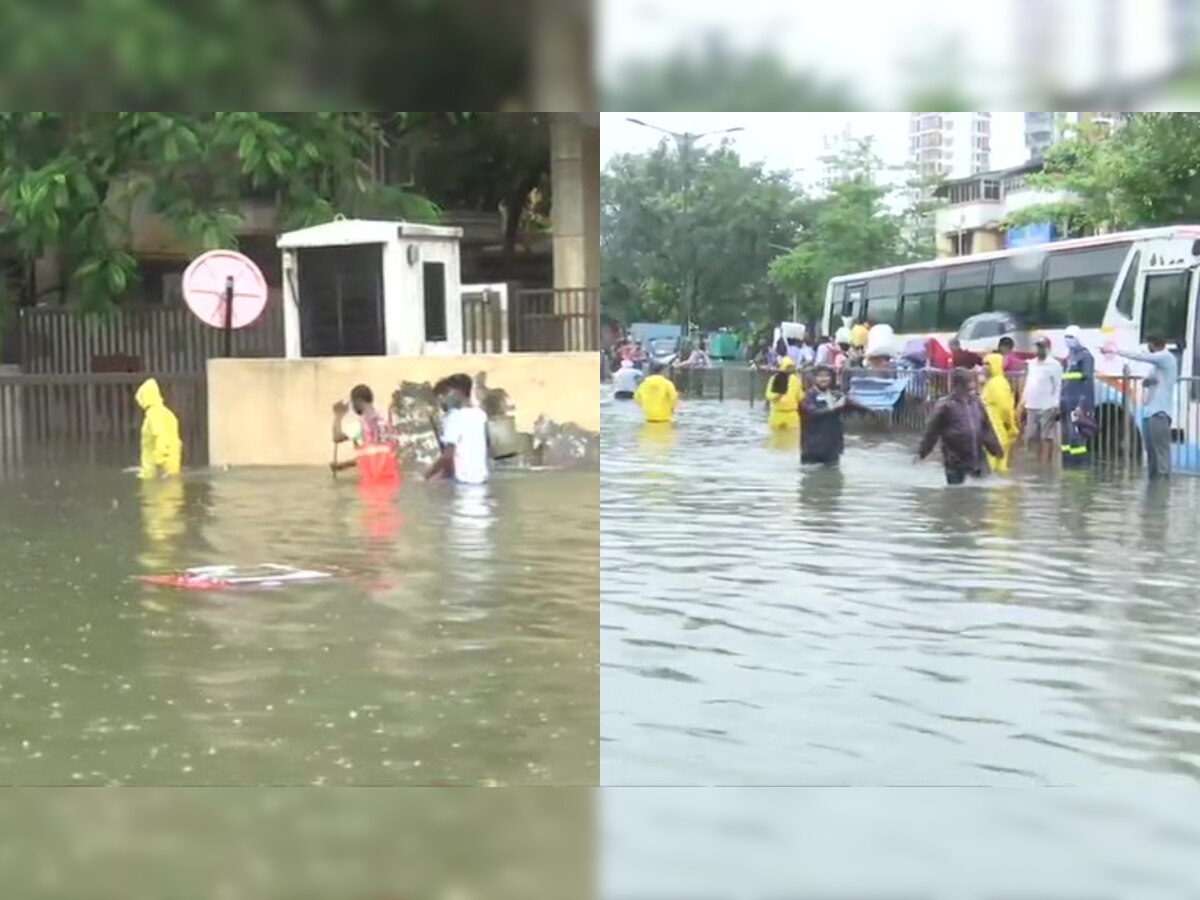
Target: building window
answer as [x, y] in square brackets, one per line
[991, 189]
[434, 278]
[960, 243]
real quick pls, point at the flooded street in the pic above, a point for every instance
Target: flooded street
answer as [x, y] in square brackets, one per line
[456, 644]
[766, 625]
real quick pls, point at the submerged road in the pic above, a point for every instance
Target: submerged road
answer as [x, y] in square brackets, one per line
[766, 625]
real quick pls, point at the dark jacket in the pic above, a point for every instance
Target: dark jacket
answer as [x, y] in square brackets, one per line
[1079, 381]
[962, 425]
[822, 437]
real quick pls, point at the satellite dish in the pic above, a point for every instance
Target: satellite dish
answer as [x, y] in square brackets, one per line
[225, 289]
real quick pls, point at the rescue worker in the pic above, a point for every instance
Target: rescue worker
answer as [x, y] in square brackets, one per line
[783, 395]
[371, 437]
[961, 425]
[657, 396]
[1078, 400]
[162, 449]
[1001, 406]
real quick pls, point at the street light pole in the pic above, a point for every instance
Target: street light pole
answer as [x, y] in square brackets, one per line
[684, 142]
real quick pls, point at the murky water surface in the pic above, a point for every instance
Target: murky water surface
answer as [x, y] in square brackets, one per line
[456, 644]
[761, 624]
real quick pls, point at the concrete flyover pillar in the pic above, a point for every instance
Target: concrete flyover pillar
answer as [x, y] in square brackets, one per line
[575, 176]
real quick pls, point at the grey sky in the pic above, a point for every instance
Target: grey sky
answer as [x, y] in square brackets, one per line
[794, 140]
[872, 44]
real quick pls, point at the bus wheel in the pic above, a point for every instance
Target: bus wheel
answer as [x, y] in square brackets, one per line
[1117, 438]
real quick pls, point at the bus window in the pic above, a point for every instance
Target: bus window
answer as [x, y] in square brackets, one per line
[852, 303]
[884, 311]
[1079, 285]
[883, 300]
[1165, 307]
[1017, 289]
[965, 295]
[1129, 287]
[918, 311]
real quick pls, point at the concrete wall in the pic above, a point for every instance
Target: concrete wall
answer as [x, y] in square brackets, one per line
[277, 412]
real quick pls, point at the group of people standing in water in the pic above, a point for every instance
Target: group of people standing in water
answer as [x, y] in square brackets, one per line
[977, 424]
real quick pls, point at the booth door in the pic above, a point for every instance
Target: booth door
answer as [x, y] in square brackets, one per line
[340, 294]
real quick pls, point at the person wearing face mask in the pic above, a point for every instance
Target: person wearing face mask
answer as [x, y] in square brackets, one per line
[464, 456]
[1078, 400]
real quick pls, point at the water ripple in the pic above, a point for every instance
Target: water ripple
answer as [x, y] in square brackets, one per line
[871, 626]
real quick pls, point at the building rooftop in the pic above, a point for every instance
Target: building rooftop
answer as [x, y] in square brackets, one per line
[342, 232]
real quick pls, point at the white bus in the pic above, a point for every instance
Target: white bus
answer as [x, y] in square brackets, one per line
[1117, 288]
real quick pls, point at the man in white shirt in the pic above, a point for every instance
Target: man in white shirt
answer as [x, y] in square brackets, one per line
[626, 380]
[464, 441]
[1040, 401]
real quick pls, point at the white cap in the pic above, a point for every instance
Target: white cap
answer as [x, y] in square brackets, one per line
[1072, 332]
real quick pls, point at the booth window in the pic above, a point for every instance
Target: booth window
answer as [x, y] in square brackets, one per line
[434, 277]
[341, 300]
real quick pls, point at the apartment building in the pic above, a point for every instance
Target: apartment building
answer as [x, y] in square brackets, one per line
[949, 144]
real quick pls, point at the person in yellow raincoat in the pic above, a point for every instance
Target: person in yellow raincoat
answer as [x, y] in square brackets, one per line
[783, 394]
[657, 397]
[162, 450]
[1001, 406]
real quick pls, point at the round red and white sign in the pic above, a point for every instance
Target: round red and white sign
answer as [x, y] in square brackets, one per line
[204, 288]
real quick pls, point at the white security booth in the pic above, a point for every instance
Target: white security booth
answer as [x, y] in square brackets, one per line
[358, 287]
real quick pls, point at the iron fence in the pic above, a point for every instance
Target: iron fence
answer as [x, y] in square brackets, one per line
[93, 418]
[1118, 415]
[136, 338]
[550, 321]
[485, 322]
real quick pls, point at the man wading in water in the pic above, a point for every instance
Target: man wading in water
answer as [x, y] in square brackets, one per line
[962, 426]
[464, 440]
[370, 435]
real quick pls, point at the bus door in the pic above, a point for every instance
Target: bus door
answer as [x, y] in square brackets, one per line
[1169, 311]
[854, 304]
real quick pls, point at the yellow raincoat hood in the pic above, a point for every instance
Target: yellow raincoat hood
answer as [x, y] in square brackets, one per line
[1001, 406]
[149, 394]
[162, 450]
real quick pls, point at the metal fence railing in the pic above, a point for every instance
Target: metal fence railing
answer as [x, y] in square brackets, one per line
[1118, 413]
[549, 321]
[58, 340]
[93, 418]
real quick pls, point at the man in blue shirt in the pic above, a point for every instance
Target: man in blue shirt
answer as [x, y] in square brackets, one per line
[1158, 403]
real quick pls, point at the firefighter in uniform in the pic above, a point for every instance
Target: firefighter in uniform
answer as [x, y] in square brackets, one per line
[1078, 400]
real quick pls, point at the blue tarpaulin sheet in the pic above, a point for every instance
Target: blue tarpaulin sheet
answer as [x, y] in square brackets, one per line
[879, 394]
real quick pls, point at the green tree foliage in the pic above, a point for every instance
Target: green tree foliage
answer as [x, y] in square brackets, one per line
[312, 55]
[69, 180]
[484, 162]
[853, 228]
[704, 218]
[1145, 173]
